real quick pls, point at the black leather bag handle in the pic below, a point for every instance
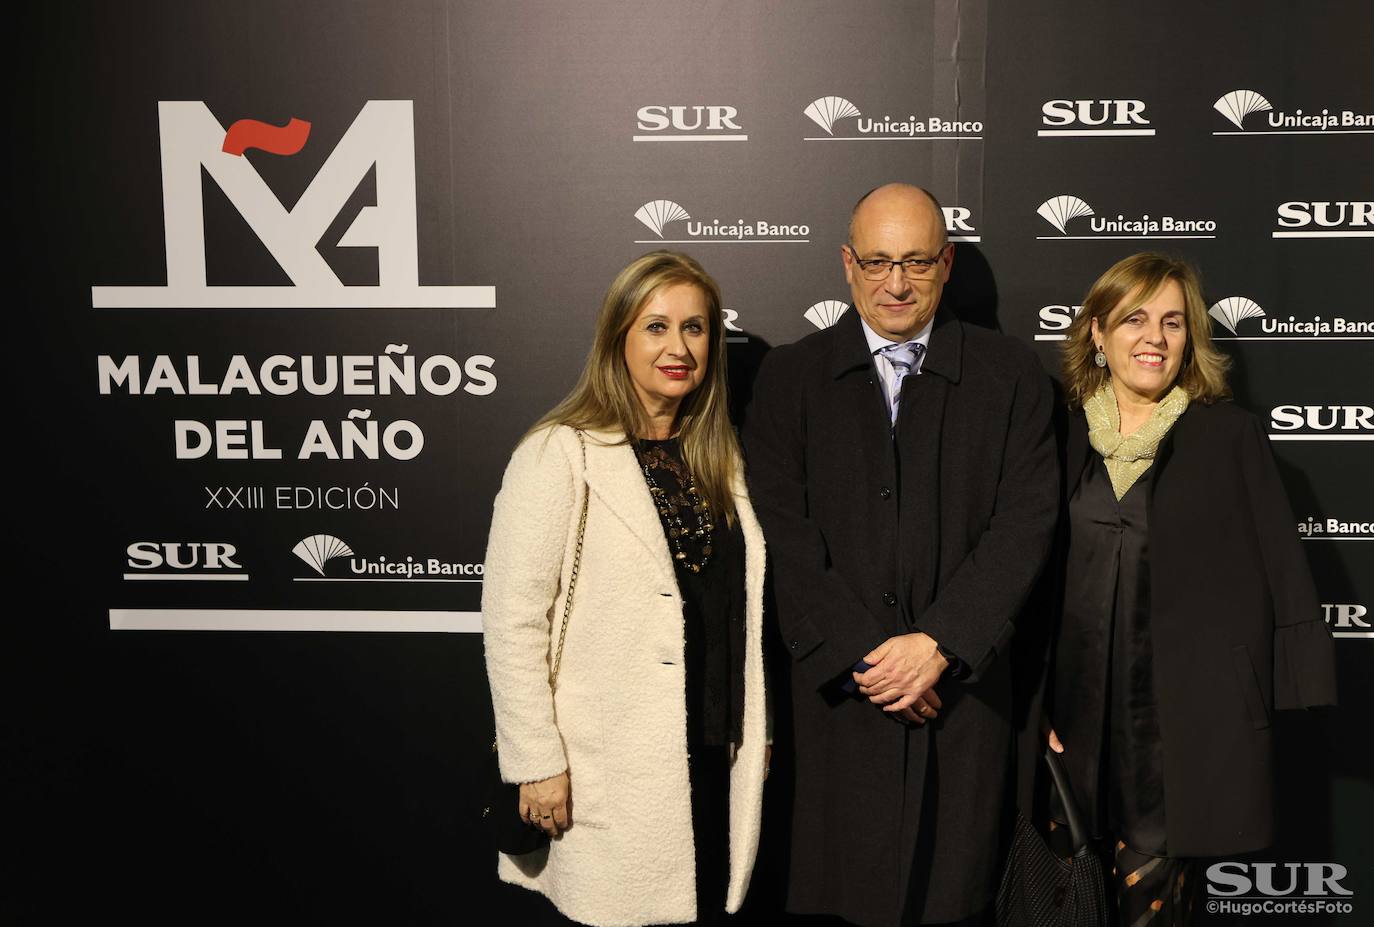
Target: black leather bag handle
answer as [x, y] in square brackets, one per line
[1077, 831]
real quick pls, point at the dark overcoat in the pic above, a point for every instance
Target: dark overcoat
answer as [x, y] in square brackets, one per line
[1236, 630]
[945, 530]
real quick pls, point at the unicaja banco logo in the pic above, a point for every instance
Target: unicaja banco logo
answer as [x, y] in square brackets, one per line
[826, 312]
[1060, 210]
[657, 214]
[1238, 104]
[827, 111]
[319, 549]
[380, 143]
[1231, 310]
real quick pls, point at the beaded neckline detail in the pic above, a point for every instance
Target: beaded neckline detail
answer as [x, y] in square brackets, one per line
[685, 514]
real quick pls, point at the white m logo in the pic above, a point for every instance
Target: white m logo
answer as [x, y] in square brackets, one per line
[383, 134]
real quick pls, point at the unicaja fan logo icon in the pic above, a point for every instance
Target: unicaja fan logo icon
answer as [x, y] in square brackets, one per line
[1231, 310]
[826, 312]
[826, 110]
[1238, 104]
[1058, 210]
[319, 549]
[658, 213]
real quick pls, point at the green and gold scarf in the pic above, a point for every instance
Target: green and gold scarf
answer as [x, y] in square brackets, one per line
[1130, 456]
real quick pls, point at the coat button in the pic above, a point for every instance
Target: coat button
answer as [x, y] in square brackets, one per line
[889, 599]
[884, 493]
[795, 645]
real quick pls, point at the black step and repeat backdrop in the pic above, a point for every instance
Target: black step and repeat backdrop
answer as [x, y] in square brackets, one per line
[294, 277]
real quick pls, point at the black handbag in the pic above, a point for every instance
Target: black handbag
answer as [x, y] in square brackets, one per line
[1041, 889]
[505, 829]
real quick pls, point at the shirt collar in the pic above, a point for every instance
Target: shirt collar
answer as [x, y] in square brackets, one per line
[877, 342]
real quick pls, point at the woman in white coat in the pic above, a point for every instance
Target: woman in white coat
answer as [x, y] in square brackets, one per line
[645, 760]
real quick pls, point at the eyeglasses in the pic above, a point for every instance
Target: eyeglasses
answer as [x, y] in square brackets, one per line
[880, 268]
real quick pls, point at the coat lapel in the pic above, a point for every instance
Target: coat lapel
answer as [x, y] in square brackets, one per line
[920, 422]
[755, 562]
[860, 408]
[1076, 452]
[613, 475]
[1181, 431]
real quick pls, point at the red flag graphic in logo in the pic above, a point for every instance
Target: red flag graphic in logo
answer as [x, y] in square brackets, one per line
[277, 140]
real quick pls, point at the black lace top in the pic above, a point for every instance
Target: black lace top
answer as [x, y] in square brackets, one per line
[713, 605]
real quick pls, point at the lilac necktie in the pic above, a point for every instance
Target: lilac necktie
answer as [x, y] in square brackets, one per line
[904, 359]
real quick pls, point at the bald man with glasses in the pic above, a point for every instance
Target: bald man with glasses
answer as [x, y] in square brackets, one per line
[903, 467]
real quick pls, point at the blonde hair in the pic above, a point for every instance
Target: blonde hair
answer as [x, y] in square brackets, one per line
[604, 397]
[1128, 284]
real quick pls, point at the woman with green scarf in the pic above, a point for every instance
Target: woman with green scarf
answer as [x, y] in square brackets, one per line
[1187, 609]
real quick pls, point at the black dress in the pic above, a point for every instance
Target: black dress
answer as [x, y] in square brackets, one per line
[1115, 757]
[713, 621]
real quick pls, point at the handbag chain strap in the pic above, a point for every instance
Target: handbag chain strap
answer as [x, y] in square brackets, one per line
[576, 565]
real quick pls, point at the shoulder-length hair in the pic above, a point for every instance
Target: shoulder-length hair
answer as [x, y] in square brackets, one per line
[1124, 288]
[604, 397]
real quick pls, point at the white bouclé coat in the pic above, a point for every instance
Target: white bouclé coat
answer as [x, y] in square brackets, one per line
[618, 721]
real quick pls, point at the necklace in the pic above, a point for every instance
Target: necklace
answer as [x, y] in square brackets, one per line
[671, 514]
